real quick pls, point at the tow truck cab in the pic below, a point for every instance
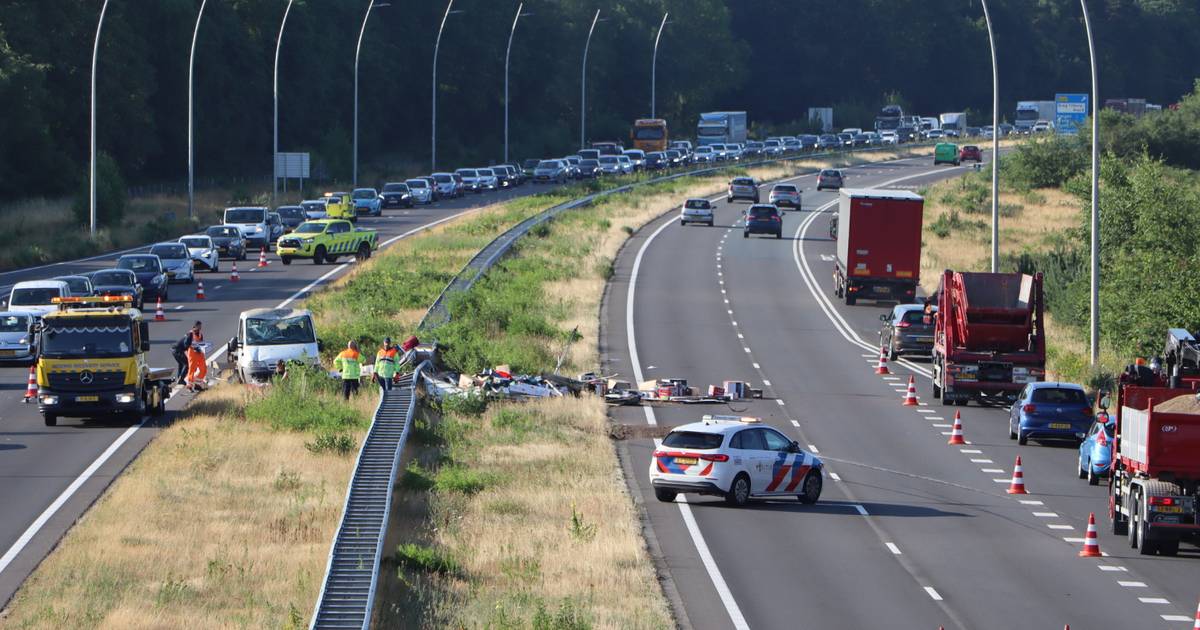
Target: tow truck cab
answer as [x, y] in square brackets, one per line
[93, 362]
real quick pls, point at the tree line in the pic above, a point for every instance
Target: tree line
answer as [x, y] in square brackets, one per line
[772, 58]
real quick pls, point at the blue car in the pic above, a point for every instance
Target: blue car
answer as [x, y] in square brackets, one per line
[763, 219]
[1050, 411]
[1095, 453]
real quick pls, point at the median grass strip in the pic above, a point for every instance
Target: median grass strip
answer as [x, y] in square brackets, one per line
[223, 521]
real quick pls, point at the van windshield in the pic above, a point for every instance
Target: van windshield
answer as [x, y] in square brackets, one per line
[33, 297]
[278, 332]
[245, 215]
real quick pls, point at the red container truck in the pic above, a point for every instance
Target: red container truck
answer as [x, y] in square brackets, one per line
[1156, 459]
[878, 245]
[989, 337]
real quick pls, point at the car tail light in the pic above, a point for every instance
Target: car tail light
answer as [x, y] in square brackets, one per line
[1029, 408]
[719, 457]
[903, 325]
[1161, 501]
[774, 217]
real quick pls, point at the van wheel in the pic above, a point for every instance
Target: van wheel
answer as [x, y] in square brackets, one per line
[50, 419]
[739, 491]
[664, 495]
[319, 255]
[364, 252]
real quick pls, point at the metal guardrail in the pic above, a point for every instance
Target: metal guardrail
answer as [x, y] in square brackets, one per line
[482, 261]
[348, 593]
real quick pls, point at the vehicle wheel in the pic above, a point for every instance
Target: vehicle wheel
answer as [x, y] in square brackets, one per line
[287, 260]
[319, 255]
[745, 235]
[364, 252]
[850, 299]
[1022, 439]
[1092, 478]
[1131, 526]
[710, 224]
[682, 222]
[739, 491]
[811, 488]
[892, 354]
[666, 496]
[1167, 547]
[1012, 434]
[332, 259]
[50, 419]
[779, 235]
[1145, 546]
[1081, 471]
[937, 389]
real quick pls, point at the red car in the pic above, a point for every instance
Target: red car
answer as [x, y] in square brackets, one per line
[970, 152]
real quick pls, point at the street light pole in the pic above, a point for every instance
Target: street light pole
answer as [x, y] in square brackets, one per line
[191, 110]
[357, 51]
[436, 46]
[275, 93]
[1095, 263]
[987, 17]
[583, 85]
[92, 166]
[654, 65]
[507, 52]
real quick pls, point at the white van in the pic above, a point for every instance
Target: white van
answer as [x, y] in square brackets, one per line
[254, 223]
[34, 296]
[268, 335]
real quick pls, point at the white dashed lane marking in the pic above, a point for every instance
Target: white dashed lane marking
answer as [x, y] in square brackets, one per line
[893, 548]
[1131, 584]
[933, 593]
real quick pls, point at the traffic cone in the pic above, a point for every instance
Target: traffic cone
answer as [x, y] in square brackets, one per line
[200, 290]
[956, 434]
[1091, 546]
[1018, 479]
[881, 367]
[158, 312]
[262, 257]
[31, 390]
[910, 397]
[233, 275]
[1196, 626]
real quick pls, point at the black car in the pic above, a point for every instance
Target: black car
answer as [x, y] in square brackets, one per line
[908, 329]
[763, 219]
[228, 239]
[528, 167]
[148, 269]
[396, 195]
[117, 282]
[657, 160]
[589, 169]
[290, 216]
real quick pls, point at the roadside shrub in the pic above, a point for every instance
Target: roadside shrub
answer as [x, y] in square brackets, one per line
[454, 478]
[112, 196]
[472, 403]
[331, 442]
[1045, 162]
[424, 559]
[299, 404]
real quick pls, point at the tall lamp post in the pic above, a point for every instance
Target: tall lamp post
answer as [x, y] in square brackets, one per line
[191, 110]
[357, 51]
[275, 96]
[437, 44]
[1095, 262]
[92, 166]
[987, 17]
[507, 52]
[654, 66]
[583, 85]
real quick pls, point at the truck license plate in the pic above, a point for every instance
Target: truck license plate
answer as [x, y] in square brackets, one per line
[1060, 425]
[883, 289]
[87, 398]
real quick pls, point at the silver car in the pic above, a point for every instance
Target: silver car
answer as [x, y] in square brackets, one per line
[696, 211]
[785, 195]
[18, 337]
[550, 171]
[445, 185]
[470, 179]
[176, 260]
[638, 157]
[609, 165]
[704, 154]
[420, 191]
[626, 163]
[487, 179]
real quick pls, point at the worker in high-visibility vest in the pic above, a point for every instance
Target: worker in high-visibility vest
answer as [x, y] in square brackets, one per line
[386, 362]
[349, 364]
[197, 369]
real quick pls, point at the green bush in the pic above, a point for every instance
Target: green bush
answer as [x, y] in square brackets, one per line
[305, 402]
[112, 197]
[332, 442]
[424, 559]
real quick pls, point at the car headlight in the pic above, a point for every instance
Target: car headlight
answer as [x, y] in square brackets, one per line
[307, 241]
[24, 341]
[124, 398]
[257, 229]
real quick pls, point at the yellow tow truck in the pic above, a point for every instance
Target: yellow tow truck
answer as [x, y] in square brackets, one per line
[93, 362]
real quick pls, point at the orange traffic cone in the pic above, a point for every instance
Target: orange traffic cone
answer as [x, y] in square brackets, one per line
[1018, 479]
[1091, 546]
[881, 367]
[956, 434]
[158, 312]
[31, 390]
[200, 290]
[910, 397]
[233, 275]
[1196, 626]
[262, 257]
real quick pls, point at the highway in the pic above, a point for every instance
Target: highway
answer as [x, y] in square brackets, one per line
[910, 532]
[49, 476]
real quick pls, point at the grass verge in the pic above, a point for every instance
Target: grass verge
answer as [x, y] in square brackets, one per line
[224, 520]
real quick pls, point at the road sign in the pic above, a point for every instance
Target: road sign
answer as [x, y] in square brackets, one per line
[1070, 110]
[291, 165]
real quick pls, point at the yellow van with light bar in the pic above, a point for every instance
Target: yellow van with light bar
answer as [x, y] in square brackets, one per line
[93, 362]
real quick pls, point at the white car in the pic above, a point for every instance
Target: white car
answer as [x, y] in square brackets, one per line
[176, 261]
[735, 458]
[488, 179]
[696, 211]
[313, 208]
[889, 137]
[203, 251]
[34, 296]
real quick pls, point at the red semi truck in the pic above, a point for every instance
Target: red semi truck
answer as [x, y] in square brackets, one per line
[989, 336]
[1156, 461]
[878, 245]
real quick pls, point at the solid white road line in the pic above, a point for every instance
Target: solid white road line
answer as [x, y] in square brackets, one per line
[630, 334]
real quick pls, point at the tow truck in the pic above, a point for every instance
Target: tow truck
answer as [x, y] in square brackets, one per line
[94, 363]
[1156, 461]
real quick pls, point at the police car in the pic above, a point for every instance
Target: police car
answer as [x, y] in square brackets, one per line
[736, 458]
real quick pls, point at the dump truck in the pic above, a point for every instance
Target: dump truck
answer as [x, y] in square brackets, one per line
[878, 245]
[989, 337]
[1156, 457]
[94, 362]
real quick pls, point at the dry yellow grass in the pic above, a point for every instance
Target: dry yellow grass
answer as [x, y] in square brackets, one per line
[219, 523]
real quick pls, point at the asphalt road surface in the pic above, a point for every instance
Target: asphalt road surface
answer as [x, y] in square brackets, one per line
[50, 475]
[910, 532]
